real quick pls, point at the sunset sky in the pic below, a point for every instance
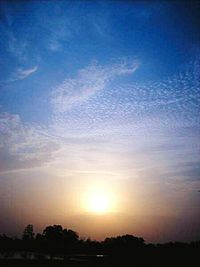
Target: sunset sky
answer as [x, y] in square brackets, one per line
[100, 118]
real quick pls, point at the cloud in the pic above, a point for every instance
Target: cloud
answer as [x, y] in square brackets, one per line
[23, 145]
[94, 120]
[87, 82]
[24, 73]
[21, 73]
[94, 103]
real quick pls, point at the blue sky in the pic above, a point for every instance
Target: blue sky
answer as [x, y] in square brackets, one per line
[106, 92]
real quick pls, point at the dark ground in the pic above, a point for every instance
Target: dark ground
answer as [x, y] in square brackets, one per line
[142, 261]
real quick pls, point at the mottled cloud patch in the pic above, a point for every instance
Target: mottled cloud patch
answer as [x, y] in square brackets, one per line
[88, 81]
[23, 145]
[94, 103]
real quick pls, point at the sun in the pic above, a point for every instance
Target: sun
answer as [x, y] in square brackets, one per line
[98, 200]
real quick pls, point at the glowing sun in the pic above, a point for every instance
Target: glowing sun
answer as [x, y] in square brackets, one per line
[99, 201]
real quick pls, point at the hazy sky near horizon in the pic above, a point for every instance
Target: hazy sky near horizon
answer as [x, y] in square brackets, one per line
[100, 96]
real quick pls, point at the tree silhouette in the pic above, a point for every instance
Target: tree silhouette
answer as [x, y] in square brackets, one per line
[53, 233]
[28, 233]
[70, 236]
[119, 251]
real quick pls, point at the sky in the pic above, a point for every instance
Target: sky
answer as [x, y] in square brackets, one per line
[100, 118]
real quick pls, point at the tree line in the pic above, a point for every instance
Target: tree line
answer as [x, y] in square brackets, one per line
[55, 239]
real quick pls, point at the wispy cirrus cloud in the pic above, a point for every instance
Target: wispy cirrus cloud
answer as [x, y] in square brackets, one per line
[21, 73]
[89, 113]
[23, 145]
[87, 82]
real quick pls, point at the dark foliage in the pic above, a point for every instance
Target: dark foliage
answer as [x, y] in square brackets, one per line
[56, 241]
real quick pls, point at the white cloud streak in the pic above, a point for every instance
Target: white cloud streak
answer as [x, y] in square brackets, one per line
[87, 83]
[90, 133]
[21, 73]
[22, 145]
